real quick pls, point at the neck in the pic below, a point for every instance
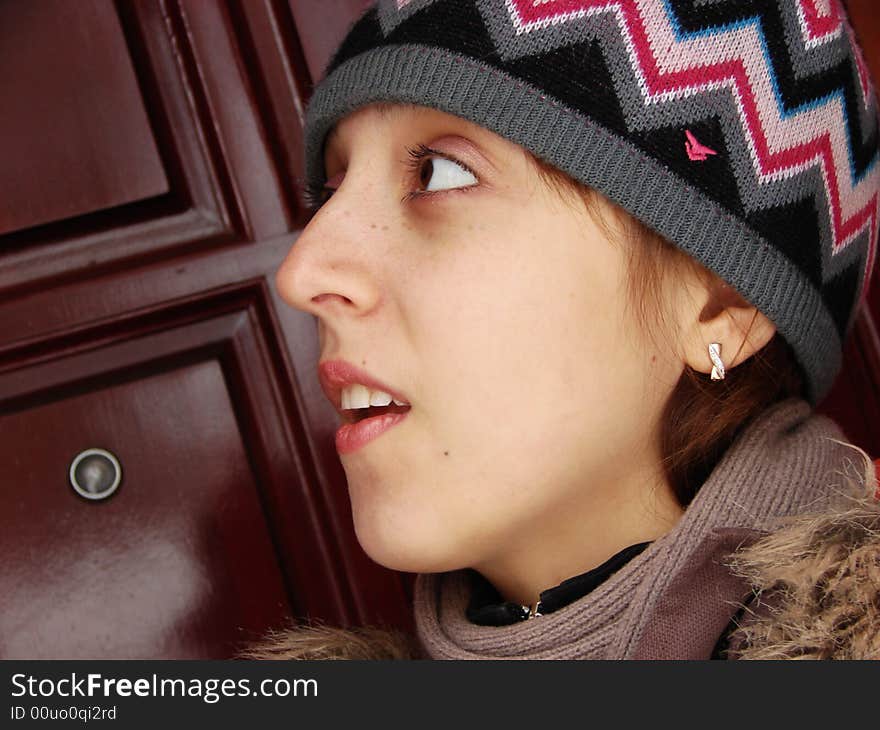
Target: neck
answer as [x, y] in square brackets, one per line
[583, 533]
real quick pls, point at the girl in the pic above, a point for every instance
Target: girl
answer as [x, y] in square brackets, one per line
[581, 270]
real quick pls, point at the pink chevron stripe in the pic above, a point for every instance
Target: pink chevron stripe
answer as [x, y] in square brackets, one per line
[552, 11]
[821, 18]
[732, 72]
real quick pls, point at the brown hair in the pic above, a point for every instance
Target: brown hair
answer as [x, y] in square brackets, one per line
[701, 417]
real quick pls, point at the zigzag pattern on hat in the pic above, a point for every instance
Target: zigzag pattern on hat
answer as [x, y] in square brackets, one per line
[784, 134]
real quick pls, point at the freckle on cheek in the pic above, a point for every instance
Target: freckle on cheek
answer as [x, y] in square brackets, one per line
[445, 453]
[372, 225]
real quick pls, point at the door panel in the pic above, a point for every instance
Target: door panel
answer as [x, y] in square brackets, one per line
[147, 323]
[177, 561]
[77, 138]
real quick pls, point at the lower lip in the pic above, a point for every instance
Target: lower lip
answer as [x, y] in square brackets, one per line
[352, 436]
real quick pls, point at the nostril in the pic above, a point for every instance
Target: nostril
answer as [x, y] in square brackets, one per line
[321, 298]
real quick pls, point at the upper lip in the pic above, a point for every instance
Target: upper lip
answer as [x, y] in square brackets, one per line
[335, 375]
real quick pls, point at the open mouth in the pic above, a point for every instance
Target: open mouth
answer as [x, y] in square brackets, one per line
[355, 415]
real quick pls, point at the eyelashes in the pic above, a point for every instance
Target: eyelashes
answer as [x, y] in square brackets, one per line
[316, 194]
[416, 156]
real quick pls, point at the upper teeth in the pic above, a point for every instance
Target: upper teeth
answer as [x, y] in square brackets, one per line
[360, 396]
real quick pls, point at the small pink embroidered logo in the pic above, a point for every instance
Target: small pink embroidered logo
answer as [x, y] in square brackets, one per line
[696, 152]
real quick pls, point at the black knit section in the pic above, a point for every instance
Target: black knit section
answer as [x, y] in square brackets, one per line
[581, 79]
[713, 176]
[839, 294]
[366, 33]
[457, 26]
[794, 230]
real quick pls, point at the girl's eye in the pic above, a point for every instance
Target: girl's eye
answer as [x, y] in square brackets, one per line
[437, 172]
[441, 173]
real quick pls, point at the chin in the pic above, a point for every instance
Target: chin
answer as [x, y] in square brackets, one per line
[409, 548]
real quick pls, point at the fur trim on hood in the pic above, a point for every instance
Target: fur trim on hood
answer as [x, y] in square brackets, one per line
[816, 589]
[328, 642]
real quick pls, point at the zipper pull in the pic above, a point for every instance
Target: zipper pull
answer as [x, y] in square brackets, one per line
[532, 611]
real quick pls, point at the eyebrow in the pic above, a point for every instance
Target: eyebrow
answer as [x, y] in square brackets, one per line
[385, 109]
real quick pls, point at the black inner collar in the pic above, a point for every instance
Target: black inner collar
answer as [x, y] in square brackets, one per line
[487, 609]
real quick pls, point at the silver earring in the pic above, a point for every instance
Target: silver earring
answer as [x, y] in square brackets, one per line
[717, 365]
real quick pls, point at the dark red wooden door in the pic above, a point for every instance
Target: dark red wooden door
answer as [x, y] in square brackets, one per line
[149, 156]
[149, 153]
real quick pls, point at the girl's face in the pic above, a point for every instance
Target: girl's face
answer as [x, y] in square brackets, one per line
[443, 266]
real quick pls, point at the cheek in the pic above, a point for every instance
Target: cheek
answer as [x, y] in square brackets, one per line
[523, 335]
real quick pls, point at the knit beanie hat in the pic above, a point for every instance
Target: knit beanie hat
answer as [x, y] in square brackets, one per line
[743, 131]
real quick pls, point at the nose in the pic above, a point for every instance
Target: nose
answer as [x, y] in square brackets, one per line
[329, 271]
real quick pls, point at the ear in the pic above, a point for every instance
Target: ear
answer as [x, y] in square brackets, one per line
[715, 312]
